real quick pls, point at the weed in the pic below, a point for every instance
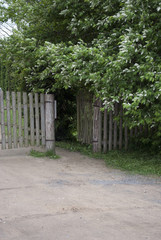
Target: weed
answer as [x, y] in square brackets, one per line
[48, 154]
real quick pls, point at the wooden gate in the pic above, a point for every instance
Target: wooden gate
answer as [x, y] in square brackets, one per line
[23, 120]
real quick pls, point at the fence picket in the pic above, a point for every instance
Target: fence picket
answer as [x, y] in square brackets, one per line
[100, 128]
[110, 130]
[32, 137]
[121, 128]
[20, 119]
[25, 119]
[37, 120]
[8, 120]
[115, 128]
[105, 132]
[42, 107]
[97, 127]
[2, 122]
[14, 120]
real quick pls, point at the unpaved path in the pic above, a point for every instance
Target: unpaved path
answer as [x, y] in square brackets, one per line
[75, 198]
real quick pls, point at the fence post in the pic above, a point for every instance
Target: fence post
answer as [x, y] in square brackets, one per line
[110, 130]
[97, 127]
[121, 130]
[50, 122]
[115, 142]
[105, 132]
[3, 135]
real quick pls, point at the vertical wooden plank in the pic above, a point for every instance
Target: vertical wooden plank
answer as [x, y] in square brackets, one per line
[95, 127]
[115, 128]
[32, 132]
[42, 100]
[105, 132]
[110, 130]
[78, 118]
[84, 123]
[8, 120]
[37, 119]
[81, 119]
[100, 128]
[126, 137]
[85, 132]
[90, 123]
[88, 127]
[50, 122]
[20, 119]
[97, 123]
[25, 107]
[91, 120]
[2, 121]
[120, 130]
[14, 120]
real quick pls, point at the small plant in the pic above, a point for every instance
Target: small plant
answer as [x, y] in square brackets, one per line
[48, 154]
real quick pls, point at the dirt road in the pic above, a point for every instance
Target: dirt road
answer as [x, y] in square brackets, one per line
[75, 198]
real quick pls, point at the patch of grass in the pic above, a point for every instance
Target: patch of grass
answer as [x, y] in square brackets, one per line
[75, 147]
[48, 154]
[137, 162]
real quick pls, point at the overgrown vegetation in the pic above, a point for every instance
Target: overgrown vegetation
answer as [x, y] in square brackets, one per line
[115, 54]
[132, 161]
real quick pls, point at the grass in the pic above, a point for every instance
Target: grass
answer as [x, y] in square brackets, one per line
[48, 154]
[135, 162]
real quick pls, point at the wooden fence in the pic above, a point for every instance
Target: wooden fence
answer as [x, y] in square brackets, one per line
[84, 117]
[24, 120]
[110, 130]
[105, 130]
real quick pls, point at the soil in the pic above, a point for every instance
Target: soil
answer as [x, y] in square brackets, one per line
[75, 197]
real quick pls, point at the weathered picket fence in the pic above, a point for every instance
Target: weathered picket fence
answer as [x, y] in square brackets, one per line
[111, 131]
[27, 119]
[105, 130]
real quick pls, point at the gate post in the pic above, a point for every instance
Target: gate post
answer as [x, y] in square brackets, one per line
[97, 127]
[2, 122]
[50, 122]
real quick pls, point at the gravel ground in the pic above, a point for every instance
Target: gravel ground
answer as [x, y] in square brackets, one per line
[75, 197]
